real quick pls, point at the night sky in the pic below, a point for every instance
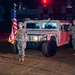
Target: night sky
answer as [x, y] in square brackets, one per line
[8, 4]
[33, 3]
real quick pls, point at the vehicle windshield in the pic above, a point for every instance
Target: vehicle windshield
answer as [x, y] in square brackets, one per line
[33, 25]
[49, 25]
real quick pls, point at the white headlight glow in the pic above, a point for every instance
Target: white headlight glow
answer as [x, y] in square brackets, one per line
[35, 38]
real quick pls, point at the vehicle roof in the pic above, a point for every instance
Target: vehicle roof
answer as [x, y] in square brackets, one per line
[60, 21]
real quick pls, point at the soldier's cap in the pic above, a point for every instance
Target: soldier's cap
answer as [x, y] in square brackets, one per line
[73, 20]
[20, 23]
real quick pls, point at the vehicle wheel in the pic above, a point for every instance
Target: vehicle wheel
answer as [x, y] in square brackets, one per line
[49, 48]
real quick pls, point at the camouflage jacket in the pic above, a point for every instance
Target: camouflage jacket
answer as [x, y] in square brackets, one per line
[21, 35]
[72, 28]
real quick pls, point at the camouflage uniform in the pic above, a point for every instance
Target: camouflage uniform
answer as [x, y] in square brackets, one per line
[72, 28]
[21, 42]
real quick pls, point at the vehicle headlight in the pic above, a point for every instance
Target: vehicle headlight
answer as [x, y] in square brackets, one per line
[35, 38]
[43, 37]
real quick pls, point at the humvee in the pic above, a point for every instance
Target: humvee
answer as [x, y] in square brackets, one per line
[47, 35]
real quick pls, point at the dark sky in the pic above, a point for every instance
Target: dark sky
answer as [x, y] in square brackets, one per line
[34, 3]
[8, 4]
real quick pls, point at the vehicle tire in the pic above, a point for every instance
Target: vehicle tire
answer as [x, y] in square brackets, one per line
[49, 48]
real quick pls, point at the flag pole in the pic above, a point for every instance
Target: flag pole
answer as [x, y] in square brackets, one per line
[14, 30]
[14, 51]
[14, 39]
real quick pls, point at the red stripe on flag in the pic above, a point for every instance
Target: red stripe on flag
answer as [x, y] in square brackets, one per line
[13, 34]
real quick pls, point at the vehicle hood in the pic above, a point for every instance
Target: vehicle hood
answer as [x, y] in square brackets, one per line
[41, 31]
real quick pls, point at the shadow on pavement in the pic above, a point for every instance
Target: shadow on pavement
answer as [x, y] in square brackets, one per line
[6, 47]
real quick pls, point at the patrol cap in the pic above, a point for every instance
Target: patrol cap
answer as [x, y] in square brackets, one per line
[20, 23]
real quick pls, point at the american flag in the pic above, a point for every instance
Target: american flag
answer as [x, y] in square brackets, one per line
[14, 29]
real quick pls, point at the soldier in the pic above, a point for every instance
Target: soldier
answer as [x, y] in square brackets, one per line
[72, 28]
[21, 41]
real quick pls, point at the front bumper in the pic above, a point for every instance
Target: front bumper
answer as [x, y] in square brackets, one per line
[34, 45]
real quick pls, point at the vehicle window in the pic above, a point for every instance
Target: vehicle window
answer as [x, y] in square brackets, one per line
[66, 27]
[49, 25]
[33, 25]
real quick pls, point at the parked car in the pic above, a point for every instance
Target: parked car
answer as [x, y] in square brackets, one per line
[47, 35]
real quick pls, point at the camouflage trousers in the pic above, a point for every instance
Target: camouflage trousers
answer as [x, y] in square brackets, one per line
[21, 45]
[73, 43]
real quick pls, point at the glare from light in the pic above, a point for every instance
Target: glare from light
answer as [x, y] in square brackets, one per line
[35, 38]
